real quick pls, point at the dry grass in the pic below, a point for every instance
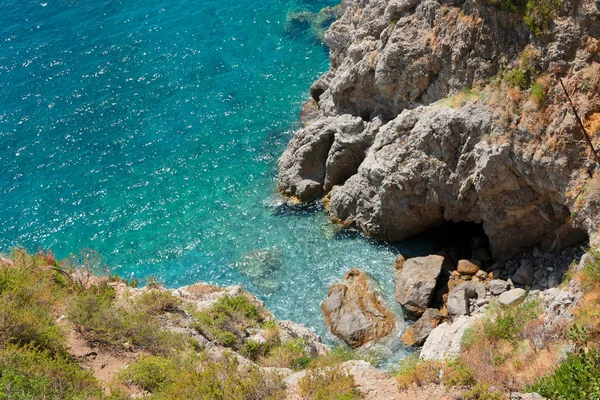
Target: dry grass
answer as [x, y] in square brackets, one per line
[513, 346]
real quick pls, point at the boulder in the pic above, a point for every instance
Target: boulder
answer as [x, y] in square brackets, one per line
[481, 274]
[468, 267]
[459, 296]
[415, 335]
[416, 283]
[497, 287]
[444, 341]
[512, 296]
[353, 311]
[525, 273]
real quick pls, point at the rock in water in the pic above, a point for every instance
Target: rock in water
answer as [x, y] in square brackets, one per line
[416, 283]
[260, 263]
[420, 330]
[353, 311]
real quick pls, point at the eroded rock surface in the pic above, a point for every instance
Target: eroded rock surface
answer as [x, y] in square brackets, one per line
[396, 162]
[415, 283]
[353, 311]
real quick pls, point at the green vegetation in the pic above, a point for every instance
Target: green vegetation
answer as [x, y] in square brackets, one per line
[100, 319]
[34, 363]
[537, 14]
[28, 372]
[482, 391]
[28, 295]
[197, 377]
[578, 378]
[461, 98]
[329, 383]
[413, 371]
[508, 323]
[228, 320]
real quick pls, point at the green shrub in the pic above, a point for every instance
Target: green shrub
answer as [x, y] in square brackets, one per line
[287, 354]
[508, 5]
[27, 298]
[578, 378]
[413, 371]
[482, 392]
[30, 373]
[518, 77]
[539, 92]
[228, 319]
[539, 14]
[155, 302]
[329, 383]
[150, 373]
[457, 373]
[222, 380]
[508, 322]
[102, 321]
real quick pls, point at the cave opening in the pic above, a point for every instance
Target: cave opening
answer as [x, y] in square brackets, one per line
[460, 241]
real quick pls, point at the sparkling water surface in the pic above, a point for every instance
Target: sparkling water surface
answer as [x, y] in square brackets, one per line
[150, 131]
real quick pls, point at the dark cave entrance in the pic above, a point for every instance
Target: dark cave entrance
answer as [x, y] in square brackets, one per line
[460, 241]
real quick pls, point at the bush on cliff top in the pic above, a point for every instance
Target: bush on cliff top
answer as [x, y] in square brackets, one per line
[537, 14]
[197, 377]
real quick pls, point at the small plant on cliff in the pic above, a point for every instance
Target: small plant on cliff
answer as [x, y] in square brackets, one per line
[329, 383]
[228, 319]
[539, 14]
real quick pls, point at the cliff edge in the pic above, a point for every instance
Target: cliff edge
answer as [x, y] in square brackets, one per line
[436, 111]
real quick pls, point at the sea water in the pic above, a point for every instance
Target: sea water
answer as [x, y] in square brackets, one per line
[150, 131]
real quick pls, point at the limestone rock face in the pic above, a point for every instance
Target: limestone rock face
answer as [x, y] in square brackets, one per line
[415, 283]
[415, 335]
[512, 296]
[459, 297]
[353, 311]
[396, 162]
[444, 341]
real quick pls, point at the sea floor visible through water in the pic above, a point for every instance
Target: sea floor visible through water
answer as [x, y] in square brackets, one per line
[150, 132]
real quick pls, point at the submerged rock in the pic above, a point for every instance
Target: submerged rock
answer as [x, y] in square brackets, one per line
[260, 263]
[416, 281]
[353, 311]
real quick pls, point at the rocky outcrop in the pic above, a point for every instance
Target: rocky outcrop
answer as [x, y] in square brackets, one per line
[353, 311]
[444, 341]
[395, 162]
[417, 333]
[459, 298]
[415, 283]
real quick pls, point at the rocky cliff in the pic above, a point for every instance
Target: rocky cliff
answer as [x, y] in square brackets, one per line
[436, 111]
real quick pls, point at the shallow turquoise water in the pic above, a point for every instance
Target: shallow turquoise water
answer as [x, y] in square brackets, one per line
[149, 131]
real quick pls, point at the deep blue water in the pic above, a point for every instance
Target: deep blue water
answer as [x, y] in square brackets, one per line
[150, 130]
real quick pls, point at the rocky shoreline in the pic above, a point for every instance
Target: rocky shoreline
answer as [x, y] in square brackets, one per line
[393, 158]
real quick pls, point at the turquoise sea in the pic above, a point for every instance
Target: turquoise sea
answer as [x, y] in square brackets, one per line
[150, 131]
